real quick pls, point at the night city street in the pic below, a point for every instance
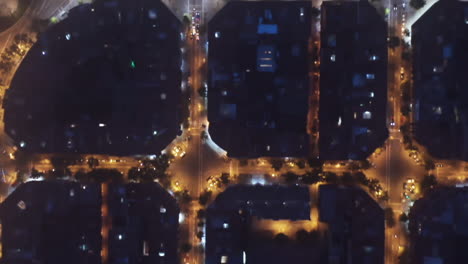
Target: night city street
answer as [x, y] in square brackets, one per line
[217, 131]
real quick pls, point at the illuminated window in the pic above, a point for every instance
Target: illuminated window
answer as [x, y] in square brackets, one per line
[370, 76]
[367, 115]
[22, 205]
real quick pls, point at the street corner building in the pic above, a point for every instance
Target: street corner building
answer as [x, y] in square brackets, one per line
[353, 80]
[57, 222]
[272, 224]
[355, 225]
[230, 235]
[52, 222]
[440, 63]
[258, 78]
[437, 226]
[144, 224]
[104, 80]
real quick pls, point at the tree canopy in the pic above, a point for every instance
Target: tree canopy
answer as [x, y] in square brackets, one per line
[417, 4]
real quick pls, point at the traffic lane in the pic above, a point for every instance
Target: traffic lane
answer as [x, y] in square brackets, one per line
[392, 168]
[403, 167]
[199, 163]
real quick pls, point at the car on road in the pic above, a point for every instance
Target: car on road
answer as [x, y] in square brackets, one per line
[392, 122]
[409, 189]
[314, 131]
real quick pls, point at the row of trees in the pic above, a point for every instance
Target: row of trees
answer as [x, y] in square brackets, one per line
[405, 88]
[417, 4]
[152, 170]
[95, 175]
[348, 178]
[19, 47]
[277, 164]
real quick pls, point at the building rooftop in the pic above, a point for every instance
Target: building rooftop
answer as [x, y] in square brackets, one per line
[353, 80]
[354, 230]
[355, 222]
[438, 230]
[440, 62]
[228, 227]
[258, 78]
[144, 224]
[104, 80]
[52, 222]
[58, 222]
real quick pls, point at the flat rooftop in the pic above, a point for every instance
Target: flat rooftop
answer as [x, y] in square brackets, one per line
[440, 62]
[437, 226]
[355, 223]
[353, 80]
[230, 231]
[145, 222]
[258, 78]
[104, 80]
[52, 222]
[58, 222]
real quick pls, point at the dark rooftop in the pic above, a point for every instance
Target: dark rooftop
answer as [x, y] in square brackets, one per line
[438, 230]
[353, 80]
[355, 223]
[228, 226]
[57, 222]
[104, 80]
[144, 224]
[258, 78]
[52, 222]
[440, 63]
